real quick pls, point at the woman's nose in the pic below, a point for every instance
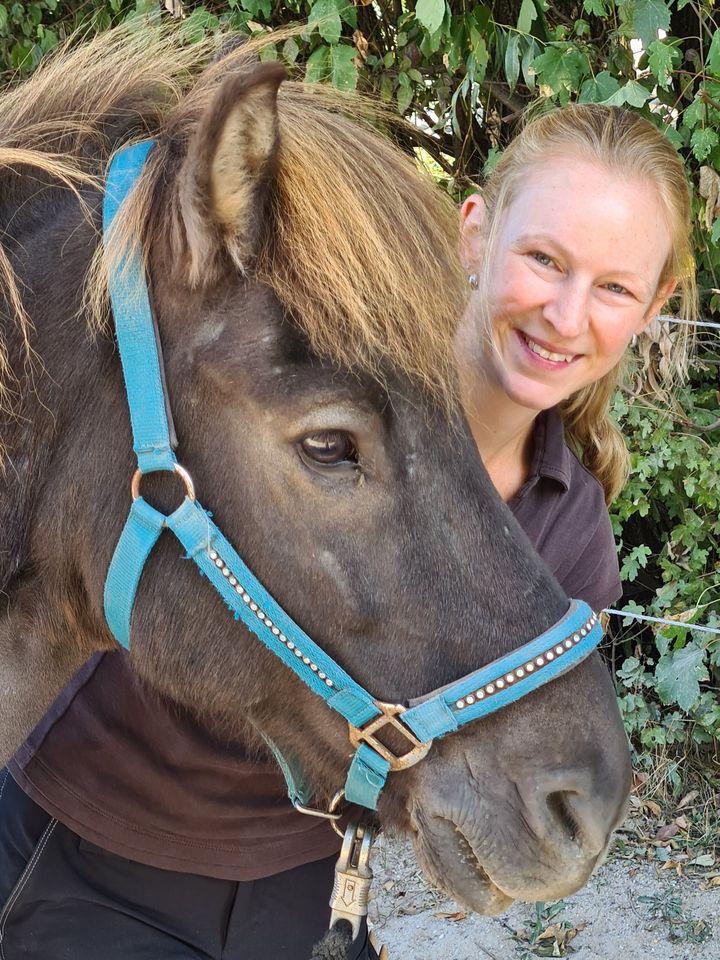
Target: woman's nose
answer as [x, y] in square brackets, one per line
[567, 310]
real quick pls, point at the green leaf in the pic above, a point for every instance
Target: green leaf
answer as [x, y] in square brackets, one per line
[290, 50]
[481, 16]
[430, 14]
[633, 94]
[348, 12]
[595, 8]
[527, 15]
[200, 21]
[531, 51]
[637, 558]
[560, 67]
[582, 28]
[404, 93]
[713, 56]
[21, 56]
[480, 58]
[3, 17]
[343, 71]
[318, 65]
[492, 158]
[325, 16]
[715, 235]
[598, 89]
[679, 674]
[512, 60]
[662, 58]
[703, 141]
[258, 7]
[50, 40]
[268, 53]
[704, 860]
[643, 18]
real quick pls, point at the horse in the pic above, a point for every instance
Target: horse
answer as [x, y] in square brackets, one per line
[304, 280]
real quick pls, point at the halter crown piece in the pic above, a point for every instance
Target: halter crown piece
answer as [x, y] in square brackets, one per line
[480, 693]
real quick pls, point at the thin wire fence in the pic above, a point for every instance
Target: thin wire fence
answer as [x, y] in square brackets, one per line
[663, 620]
[690, 323]
[681, 624]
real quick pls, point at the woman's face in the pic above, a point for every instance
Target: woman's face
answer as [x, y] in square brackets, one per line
[574, 274]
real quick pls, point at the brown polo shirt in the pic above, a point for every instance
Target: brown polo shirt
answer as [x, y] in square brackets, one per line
[139, 777]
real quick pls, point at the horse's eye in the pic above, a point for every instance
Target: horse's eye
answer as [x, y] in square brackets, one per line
[330, 447]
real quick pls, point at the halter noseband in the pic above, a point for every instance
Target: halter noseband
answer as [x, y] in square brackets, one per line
[480, 693]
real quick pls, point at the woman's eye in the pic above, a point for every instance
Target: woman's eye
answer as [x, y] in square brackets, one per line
[542, 258]
[329, 447]
[615, 288]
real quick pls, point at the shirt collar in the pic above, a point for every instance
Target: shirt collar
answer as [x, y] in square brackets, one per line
[552, 456]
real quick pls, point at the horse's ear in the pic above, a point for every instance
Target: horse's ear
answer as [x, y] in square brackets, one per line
[223, 183]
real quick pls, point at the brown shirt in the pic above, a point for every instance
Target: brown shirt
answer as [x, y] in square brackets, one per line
[138, 776]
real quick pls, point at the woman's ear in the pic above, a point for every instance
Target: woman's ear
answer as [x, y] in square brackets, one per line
[661, 297]
[472, 232]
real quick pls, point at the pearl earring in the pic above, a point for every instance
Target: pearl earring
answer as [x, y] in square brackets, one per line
[473, 281]
[633, 341]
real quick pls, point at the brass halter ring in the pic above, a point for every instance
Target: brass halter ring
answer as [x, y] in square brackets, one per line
[180, 471]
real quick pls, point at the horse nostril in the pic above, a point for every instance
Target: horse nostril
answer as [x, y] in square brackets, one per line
[561, 812]
[581, 818]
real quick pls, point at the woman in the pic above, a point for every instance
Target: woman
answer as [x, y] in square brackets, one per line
[581, 234]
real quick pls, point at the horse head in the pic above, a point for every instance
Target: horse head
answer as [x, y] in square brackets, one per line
[303, 279]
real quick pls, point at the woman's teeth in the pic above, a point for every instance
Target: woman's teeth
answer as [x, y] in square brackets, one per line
[545, 354]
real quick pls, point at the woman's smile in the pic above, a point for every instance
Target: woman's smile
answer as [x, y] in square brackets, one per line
[546, 356]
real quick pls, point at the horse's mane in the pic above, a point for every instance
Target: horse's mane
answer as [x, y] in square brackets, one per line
[363, 247]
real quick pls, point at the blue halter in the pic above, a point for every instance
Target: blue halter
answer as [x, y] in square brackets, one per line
[480, 693]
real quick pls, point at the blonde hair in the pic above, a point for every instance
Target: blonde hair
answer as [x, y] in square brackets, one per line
[629, 145]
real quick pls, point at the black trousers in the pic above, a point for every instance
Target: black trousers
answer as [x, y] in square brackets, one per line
[63, 898]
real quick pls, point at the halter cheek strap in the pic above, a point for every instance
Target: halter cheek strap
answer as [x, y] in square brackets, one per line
[480, 693]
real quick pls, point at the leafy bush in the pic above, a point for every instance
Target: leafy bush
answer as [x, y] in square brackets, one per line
[667, 521]
[464, 72]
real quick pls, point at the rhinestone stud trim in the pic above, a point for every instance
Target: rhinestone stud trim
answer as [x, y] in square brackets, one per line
[557, 650]
[265, 619]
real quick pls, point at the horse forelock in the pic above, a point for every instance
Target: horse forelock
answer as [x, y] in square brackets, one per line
[361, 246]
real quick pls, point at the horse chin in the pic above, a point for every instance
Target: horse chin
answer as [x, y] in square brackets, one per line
[449, 861]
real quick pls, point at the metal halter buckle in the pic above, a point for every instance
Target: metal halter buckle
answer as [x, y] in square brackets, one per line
[389, 717]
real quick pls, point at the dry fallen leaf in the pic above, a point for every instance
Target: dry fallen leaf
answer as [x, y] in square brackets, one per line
[710, 191]
[457, 915]
[361, 44]
[639, 778]
[654, 808]
[669, 830]
[694, 794]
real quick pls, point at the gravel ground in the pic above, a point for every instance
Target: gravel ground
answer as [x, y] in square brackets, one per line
[629, 911]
